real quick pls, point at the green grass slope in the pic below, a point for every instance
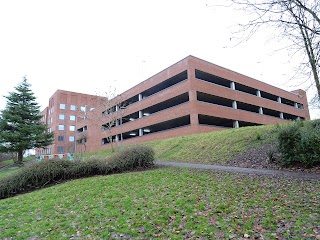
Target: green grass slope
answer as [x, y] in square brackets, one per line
[169, 203]
[209, 148]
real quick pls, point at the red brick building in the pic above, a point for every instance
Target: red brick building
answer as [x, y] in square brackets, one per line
[191, 96]
[65, 110]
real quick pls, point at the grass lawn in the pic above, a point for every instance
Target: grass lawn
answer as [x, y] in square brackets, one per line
[169, 203]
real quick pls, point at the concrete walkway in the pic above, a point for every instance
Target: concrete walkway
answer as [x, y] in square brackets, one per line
[276, 173]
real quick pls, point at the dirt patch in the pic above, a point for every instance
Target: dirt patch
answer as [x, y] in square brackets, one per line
[265, 157]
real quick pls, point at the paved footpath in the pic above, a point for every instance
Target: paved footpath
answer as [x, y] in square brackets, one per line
[276, 173]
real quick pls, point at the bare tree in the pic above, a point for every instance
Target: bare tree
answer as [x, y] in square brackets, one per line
[107, 113]
[297, 21]
[112, 115]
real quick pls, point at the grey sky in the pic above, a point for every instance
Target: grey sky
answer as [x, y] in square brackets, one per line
[86, 46]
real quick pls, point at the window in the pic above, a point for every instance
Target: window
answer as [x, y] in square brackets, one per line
[62, 116]
[71, 138]
[60, 149]
[72, 118]
[62, 106]
[73, 107]
[61, 138]
[61, 127]
[83, 108]
[72, 128]
[71, 149]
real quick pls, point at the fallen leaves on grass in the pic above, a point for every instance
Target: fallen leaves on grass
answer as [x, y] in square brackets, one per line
[167, 203]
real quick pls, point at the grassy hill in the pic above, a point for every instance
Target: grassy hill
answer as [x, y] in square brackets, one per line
[210, 148]
[172, 203]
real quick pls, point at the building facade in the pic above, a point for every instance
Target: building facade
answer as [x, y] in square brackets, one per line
[191, 96]
[65, 110]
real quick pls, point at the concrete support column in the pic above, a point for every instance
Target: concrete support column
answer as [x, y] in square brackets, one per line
[258, 93]
[281, 115]
[279, 99]
[233, 85]
[117, 138]
[140, 96]
[234, 105]
[140, 114]
[192, 95]
[117, 108]
[194, 120]
[260, 110]
[295, 105]
[235, 124]
[140, 132]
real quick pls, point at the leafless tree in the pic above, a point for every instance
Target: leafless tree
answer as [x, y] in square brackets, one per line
[297, 21]
[107, 113]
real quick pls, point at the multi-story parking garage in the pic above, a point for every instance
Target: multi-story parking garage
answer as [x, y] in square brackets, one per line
[191, 96]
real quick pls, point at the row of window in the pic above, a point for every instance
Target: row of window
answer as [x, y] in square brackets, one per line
[62, 127]
[63, 106]
[72, 107]
[61, 138]
[63, 117]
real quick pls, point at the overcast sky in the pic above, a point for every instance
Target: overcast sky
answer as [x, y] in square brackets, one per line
[86, 46]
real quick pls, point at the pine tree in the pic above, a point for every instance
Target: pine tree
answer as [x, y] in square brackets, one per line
[20, 125]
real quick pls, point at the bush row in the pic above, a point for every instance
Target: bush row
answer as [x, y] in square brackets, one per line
[39, 174]
[299, 143]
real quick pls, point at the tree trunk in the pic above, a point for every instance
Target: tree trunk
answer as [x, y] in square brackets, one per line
[20, 157]
[311, 57]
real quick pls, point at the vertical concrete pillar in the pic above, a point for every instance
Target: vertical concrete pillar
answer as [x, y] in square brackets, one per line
[234, 105]
[279, 99]
[295, 105]
[140, 114]
[258, 93]
[233, 85]
[192, 95]
[194, 120]
[140, 132]
[281, 115]
[260, 110]
[235, 124]
[117, 138]
[140, 96]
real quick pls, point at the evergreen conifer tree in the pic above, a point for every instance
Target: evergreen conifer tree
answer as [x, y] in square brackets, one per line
[20, 123]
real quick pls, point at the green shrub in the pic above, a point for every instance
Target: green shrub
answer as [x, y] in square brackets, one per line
[135, 157]
[299, 143]
[39, 174]
[310, 145]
